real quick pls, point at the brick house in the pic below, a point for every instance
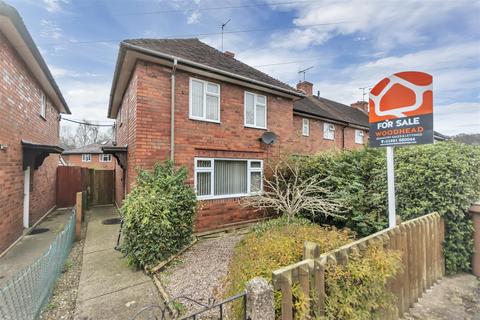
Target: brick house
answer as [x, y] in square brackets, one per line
[183, 100]
[30, 105]
[90, 156]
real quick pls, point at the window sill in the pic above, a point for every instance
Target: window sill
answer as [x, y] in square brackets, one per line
[204, 120]
[44, 118]
[204, 198]
[254, 127]
[331, 139]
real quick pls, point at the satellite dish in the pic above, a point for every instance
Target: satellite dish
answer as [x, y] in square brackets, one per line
[268, 138]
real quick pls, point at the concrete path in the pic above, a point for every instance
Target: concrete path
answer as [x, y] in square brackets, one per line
[454, 297]
[109, 288]
[32, 246]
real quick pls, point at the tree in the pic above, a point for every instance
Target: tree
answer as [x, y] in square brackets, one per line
[85, 134]
[288, 194]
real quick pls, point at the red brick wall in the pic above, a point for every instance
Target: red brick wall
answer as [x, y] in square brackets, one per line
[316, 142]
[147, 106]
[126, 135]
[20, 119]
[76, 160]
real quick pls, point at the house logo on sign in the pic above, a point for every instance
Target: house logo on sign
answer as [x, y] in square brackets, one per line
[401, 110]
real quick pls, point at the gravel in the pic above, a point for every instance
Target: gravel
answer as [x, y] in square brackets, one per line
[64, 297]
[199, 272]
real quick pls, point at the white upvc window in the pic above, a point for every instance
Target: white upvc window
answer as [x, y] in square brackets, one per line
[204, 100]
[86, 157]
[305, 127]
[329, 131]
[255, 106]
[359, 136]
[105, 157]
[226, 178]
[43, 105]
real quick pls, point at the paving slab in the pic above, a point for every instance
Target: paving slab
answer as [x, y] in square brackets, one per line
[109, 288]
[32, 246]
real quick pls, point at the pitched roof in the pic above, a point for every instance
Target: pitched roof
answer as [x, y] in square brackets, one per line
[196, 51]
[325, 108]
[12, 26]
[95, 148]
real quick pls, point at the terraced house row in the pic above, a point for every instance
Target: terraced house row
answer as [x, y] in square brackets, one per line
[183, 100]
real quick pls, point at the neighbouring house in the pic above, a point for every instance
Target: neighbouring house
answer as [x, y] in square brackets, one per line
[90, 156]
[30, 107]
[183, 100]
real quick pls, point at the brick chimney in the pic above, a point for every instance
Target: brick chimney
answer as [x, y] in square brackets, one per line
[229, 54]
[360, 105]
[306, 87]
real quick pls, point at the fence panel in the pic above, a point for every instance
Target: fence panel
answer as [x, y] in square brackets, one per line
[23, 297]
[420, 242]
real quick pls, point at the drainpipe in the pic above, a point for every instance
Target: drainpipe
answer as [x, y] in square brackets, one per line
[172, 113]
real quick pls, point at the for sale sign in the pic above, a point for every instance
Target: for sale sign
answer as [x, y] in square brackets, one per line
[401, 110]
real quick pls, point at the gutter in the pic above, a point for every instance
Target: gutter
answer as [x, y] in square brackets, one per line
[172, 112]
[124, 46]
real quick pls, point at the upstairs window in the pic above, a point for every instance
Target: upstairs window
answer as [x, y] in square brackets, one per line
[105, 158]
[329, 131]
[43, 105]
[305, 127]
[255, 110]
[86, 157]
[359, 136]
[223, 178]
[204, 100]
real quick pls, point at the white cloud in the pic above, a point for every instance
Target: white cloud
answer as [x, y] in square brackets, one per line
[50, 30]
[459, 117]
[194, 17]
[387, 23]
[54, 5]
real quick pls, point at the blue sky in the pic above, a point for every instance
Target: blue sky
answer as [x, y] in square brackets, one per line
[350, 44]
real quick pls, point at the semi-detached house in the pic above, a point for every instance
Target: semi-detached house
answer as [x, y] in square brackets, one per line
[183, 100]
[30, 107]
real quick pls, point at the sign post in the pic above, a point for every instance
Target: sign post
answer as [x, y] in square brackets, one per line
[400, 113]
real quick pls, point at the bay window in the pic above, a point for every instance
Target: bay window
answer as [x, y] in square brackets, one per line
[223, 178]
[204, 100]
[255, 110]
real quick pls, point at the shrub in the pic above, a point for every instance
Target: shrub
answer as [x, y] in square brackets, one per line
[357, 291]
[441, 177]
[288, 193]
[274, 244]
[158, 215]
[277, 243]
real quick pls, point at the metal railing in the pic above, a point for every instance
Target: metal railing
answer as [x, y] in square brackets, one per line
[24, 296]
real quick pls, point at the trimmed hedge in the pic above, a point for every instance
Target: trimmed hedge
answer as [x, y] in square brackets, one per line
[158, 215]
[442, 177]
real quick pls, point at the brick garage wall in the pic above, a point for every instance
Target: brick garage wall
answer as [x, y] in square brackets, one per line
[76, 160]
[19, 106]
[316, 142]
[230, 139]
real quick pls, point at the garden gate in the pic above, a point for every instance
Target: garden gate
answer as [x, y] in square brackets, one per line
[70, 180]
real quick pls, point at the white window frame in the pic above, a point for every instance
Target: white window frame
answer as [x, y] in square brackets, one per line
[359, 134]
[205, 93]
[84, 158]
[43, 105]
[305, 127]
[331, 129]
[255, 98]
[211, 170]
[101, 159]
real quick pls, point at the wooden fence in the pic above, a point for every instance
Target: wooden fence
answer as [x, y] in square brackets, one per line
[99, 183]
[420, 242]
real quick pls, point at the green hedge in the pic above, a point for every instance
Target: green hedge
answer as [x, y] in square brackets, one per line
[158, 215]
[442, 177]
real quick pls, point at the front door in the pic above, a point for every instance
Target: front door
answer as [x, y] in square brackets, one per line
[26, 197]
